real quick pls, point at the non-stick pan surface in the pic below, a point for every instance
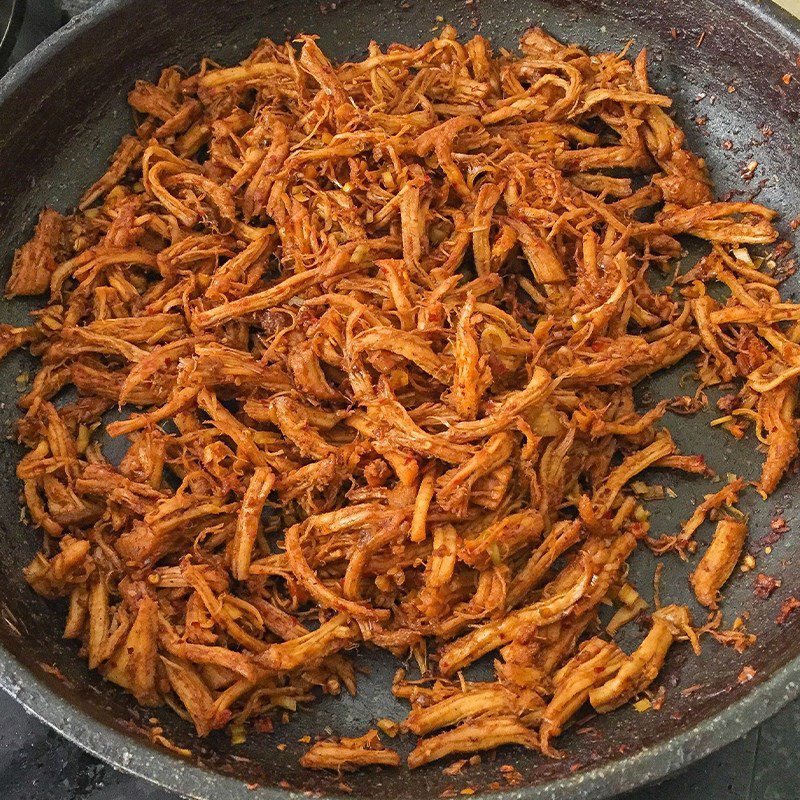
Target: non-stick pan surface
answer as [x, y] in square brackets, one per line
[62, 112]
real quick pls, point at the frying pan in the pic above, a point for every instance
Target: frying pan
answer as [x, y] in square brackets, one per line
[62, 111]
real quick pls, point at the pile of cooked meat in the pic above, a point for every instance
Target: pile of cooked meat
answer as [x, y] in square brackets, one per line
[370, 334]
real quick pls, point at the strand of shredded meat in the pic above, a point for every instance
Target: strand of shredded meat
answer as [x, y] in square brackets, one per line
[374, 330]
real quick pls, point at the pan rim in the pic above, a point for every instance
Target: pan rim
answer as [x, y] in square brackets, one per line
[132, 755]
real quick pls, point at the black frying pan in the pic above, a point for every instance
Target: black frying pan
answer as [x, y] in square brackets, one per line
[63, 110]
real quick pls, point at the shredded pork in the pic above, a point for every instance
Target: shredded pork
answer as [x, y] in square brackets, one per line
[375, 329]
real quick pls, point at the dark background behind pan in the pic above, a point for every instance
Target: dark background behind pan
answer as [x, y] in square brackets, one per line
[61, 115]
